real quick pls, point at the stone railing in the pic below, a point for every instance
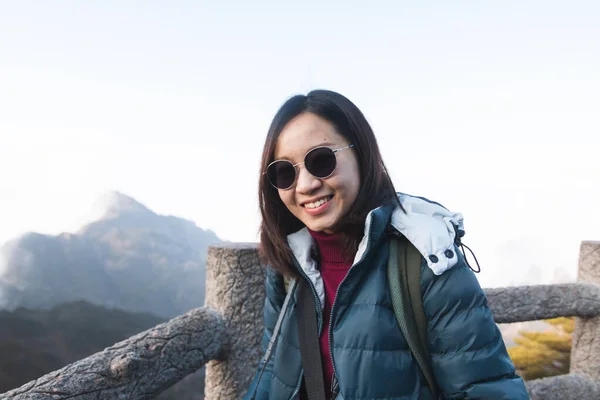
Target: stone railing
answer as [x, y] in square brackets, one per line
[225, 336]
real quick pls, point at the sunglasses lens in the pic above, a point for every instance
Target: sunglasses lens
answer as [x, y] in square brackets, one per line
[281, 174]
[321, 162]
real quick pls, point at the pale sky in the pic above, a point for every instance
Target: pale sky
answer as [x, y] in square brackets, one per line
[491, 108]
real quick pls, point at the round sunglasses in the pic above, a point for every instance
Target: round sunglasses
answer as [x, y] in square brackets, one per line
[320, 162]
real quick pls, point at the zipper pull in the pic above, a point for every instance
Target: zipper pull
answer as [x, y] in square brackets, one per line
[335, 387]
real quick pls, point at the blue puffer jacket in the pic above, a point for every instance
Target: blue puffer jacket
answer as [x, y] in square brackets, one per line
[370, 355]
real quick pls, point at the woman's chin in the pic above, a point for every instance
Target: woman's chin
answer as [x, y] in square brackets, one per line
[325, 225]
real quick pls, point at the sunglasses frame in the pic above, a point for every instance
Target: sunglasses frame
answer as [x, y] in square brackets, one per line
[335, 151]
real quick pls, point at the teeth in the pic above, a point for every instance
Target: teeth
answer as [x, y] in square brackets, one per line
[317, 203]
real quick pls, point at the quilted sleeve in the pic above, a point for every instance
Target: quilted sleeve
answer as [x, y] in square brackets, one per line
[275, 296]
[469, 357]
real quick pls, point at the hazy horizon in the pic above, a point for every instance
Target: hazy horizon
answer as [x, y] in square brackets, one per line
[489, 109]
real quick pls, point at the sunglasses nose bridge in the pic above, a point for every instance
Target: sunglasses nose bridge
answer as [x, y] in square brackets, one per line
[296, 165]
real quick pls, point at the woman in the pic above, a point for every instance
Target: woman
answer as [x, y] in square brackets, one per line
[328, 210]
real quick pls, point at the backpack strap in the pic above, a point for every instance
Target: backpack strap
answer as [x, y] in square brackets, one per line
[310, 350]
[404, 279]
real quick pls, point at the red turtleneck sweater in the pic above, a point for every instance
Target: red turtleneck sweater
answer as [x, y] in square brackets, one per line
[333, 270]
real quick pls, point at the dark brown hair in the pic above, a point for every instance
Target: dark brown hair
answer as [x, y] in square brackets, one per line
[376, 187]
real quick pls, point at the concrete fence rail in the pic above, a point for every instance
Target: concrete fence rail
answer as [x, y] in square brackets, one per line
[225, 336]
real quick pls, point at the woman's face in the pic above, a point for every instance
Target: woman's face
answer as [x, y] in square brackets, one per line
[319, 203]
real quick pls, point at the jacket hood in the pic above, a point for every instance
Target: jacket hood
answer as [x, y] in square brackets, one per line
[431, 228]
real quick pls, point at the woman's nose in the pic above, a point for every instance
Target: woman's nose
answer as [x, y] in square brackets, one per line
[306, 182]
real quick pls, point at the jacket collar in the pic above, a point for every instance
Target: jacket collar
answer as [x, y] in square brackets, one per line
[428, 225]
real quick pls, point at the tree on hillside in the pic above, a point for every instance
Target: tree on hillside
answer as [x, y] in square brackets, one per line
[542, 354]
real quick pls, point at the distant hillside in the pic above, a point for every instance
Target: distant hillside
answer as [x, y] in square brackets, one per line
[131, 258]
[34, 343]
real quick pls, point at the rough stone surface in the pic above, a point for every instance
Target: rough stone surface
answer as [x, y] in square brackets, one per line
[564, 387]
[585, 351]
[235, 282]
[532, 303]
[137, 368]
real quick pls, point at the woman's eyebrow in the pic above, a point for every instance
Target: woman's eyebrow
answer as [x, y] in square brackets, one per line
[325, 143]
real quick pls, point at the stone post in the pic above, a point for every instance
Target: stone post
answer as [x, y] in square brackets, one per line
[585, 353]
[235, 288]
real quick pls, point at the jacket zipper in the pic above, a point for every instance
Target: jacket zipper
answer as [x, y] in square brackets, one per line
[319, 314]
[335, 387]
[334, 382]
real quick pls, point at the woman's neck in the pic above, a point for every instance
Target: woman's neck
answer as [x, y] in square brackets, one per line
[330, 247]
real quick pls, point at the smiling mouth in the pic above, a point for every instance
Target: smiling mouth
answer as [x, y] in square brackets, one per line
[318, 203]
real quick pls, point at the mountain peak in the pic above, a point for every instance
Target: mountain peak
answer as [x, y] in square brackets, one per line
[129, 257]
[113, 204]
